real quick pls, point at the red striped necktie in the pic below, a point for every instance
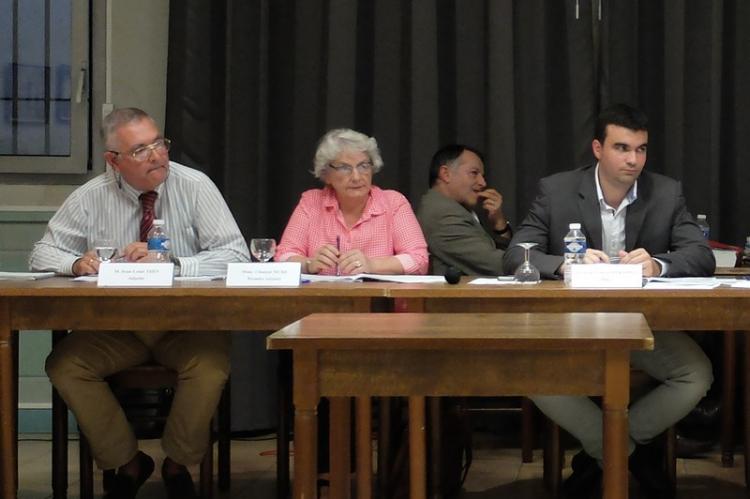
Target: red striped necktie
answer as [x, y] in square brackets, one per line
[148, 199]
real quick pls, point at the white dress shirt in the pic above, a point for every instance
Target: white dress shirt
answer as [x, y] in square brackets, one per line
[613, 221]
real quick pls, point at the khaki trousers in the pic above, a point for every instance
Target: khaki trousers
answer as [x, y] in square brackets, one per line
[79, 364]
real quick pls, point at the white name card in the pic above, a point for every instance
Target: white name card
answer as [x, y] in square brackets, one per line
[271, 274]
[135, 274]
[606, 275]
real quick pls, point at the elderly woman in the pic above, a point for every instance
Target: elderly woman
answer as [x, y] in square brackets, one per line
[351, 226]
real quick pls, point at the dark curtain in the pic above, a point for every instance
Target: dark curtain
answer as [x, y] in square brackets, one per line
[687, 64]
[253, 84]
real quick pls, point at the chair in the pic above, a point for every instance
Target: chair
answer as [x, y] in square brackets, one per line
[143, 377]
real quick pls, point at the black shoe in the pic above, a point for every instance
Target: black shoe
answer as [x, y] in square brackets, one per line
[179, 485]
[586, 480]
[648, 466]
[123, 486]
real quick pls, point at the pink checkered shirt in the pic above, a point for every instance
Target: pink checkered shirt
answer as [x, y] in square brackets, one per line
[387, 227]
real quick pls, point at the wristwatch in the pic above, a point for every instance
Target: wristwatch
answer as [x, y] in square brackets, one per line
[506, 229]
[176, 262]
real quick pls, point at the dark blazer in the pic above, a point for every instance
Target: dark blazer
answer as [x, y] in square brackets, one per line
[656, 221]
[455, 238]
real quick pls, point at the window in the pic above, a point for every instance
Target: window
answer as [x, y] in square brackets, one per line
[44, 86]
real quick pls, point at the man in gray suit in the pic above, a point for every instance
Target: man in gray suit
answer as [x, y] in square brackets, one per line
[640, 218]
[457, 236]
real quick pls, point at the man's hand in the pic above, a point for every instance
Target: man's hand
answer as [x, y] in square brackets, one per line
[595, 256]
[135, 252]
[493, 204]
[651, 267]
[88, 264]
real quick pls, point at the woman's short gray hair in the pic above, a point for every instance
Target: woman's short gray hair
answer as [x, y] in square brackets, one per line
[336, 141]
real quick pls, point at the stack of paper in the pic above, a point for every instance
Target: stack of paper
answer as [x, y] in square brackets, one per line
[25, 276]
[407, 279]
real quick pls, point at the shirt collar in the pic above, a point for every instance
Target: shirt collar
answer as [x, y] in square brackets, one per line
[630, 197]
[375, 202]
[133, 193]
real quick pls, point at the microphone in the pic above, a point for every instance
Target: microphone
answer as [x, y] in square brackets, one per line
[453, 275]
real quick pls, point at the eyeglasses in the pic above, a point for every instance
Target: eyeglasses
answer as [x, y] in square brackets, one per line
[362, 168]
[144, 152]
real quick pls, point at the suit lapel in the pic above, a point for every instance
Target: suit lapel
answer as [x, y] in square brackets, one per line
[588, 207]
[637, 213]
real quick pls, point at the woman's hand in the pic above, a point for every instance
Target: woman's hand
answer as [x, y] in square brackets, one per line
[354, 262]
[326, 257]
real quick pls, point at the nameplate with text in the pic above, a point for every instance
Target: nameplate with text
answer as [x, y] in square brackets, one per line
[135, 274]
[606, 275]
[271, 274]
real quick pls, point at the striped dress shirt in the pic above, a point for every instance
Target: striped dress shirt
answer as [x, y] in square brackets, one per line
[203, 233]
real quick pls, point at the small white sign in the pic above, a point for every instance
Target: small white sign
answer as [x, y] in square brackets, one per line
[606, 275]
[135, 274]
[271, 274]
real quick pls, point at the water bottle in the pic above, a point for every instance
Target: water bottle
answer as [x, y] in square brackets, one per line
[703, 224]
[158, 242]
[575, 248]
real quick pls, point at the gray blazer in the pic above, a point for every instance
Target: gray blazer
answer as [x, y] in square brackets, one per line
[657, 221]
[455, 238]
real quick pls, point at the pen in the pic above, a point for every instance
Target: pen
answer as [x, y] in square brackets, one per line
[338, 250]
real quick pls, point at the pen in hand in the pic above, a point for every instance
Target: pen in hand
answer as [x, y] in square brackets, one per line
[338, 250]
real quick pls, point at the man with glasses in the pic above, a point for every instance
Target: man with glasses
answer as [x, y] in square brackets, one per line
[120, 205]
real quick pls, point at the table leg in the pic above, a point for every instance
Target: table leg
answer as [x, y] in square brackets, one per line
[746, 384]
[615, 409]
[729, 373]
[284, 392]
[385, 453]
[305, 425]
[527, 430]
[436, 449]
[340, 447]
[59, 436]
[8, 387]
[417, 449]
[553, 458]
[364, 447]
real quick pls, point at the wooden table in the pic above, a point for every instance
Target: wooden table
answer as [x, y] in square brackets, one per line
[725, 310]
[477, 354]
[59, 303]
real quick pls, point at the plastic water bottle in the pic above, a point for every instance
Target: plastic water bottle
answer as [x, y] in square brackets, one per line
[703, 224]
[575, 248]
[158, 242]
